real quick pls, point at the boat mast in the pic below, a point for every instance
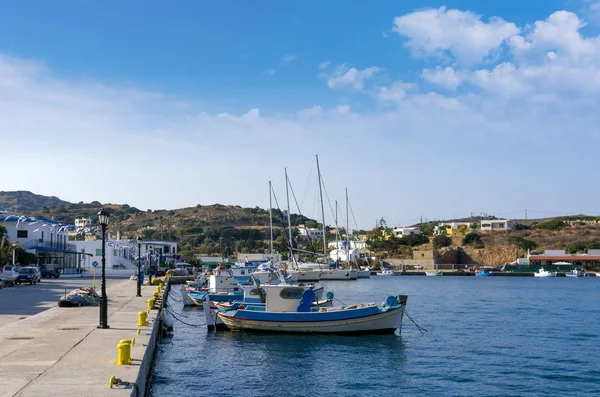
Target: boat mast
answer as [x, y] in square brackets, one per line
[271, 216]
[322, 207]
[287, 193]
[337, 244]
[347, 231]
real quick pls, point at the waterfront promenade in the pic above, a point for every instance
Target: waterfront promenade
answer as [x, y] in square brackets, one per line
[60, 352]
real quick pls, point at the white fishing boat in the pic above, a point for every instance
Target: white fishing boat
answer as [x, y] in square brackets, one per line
[575, 273]
[339, 274]
[363, 273]
[544, 273]
[288, 309]
[434, 273]
[385, 272]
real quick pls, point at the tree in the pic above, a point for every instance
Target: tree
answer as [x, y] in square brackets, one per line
[473, 239]
[415, 239]
[475, 225]
[426, 228]
[553, 224]
[441, 241]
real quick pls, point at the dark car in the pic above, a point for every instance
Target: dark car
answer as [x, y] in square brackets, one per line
[49, 272]
[29, 275]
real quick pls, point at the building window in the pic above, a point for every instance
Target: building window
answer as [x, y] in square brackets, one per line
[21, 233]
[98, 251]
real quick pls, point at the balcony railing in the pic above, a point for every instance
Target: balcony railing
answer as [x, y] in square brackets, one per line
[33, 244]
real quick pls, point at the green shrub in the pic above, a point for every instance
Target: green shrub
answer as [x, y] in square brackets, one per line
[441, 241]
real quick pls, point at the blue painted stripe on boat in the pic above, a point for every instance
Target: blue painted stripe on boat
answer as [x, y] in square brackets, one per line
[294, 317]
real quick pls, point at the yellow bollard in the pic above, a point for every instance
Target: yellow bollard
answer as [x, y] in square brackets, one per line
[142, 319]
[132, 341]
[139, 330]
[111, 382]
[124, 352]
[150, 304]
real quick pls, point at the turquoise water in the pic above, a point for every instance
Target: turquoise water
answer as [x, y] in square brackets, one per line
[487, 336]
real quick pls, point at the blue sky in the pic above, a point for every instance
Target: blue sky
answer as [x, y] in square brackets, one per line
[439, 109]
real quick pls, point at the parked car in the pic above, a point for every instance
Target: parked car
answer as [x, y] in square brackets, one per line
[47, 272]
[29, 274]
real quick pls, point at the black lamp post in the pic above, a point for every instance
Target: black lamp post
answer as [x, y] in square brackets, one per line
[150, 269]
[103, 218]
[139, 277]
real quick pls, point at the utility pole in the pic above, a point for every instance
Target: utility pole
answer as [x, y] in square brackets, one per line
[421, 219]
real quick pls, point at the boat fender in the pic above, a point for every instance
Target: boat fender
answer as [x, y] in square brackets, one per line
[329, 295]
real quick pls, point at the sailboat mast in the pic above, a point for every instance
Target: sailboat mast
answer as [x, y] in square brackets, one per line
[271, 216]
[287, 193]
[337, 244]
[322, 207]
[347, 230]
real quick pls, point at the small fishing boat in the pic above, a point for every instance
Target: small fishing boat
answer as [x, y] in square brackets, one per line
[363, 273]
[575, 273]
[434, 273]
[485, 272]
[385, 272]
[544, 273]
[288, 309]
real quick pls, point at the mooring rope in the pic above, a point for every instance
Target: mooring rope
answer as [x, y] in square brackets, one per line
[421, 329]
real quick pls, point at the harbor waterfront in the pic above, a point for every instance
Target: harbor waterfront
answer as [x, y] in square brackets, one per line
[61, 352]
[486, 336]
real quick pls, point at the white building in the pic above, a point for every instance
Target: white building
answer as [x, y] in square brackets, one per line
[341, 244]
[343, 256]
[83, 222]
[498, 225]
[310, 232]
[45, 238]
[123, 254]
[406, 231]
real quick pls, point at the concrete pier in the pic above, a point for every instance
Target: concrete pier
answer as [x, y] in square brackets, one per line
[60, 352]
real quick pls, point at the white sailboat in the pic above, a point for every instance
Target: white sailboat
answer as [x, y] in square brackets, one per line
[544, 273]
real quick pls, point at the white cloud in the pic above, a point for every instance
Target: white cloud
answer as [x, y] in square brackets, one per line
[289, 58]
[560, 33]
[434, 32]
[395, 93]
[270, 72]
[324, 64]
[351, 77]
[445, 77]
[384, 35]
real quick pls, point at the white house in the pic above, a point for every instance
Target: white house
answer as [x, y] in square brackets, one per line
[310, 232]
[498, 224]
[341, 244]
[45, 238]
[342, 255]
[83, 222]
[405, 231]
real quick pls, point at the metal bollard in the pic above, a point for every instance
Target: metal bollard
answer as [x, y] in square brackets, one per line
[139, 330]
[132, 341]
[150, 304]
[142, 319]
[124, 352]
[111, 382]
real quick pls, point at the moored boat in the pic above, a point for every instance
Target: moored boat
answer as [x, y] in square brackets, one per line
[485, 272]
[574, 273]
[288, 309]
[544, 273]
[385, 272]
[434, 273]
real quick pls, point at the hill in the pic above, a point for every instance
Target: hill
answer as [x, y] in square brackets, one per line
[203, 229]
[25, 201]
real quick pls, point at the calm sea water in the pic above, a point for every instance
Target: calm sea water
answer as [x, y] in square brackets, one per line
[487, 336]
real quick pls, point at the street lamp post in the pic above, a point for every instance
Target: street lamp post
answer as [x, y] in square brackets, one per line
[103, 218]
[139, 277]
[150, 271]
